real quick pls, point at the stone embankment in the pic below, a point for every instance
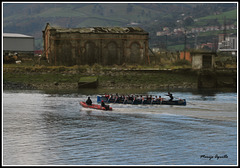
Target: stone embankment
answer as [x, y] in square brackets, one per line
[217, 79]
[18, 86]
[64, 78]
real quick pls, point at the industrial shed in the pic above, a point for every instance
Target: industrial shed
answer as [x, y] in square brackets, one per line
[18, 43]
[101, 45]
[203, 60]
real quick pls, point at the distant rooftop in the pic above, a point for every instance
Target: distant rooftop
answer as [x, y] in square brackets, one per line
[16, 35]
[121, 30]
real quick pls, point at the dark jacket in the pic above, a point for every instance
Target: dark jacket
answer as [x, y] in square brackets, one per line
[102, 104]
[171, 96]
[89, 101]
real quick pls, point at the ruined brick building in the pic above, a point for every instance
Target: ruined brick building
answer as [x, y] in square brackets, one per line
[101, 45]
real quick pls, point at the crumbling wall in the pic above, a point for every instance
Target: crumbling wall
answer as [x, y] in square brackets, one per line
[74, 48]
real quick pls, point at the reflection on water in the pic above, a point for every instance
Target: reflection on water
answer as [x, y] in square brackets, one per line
[52, 129]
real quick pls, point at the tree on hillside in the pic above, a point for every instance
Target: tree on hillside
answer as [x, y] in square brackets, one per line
[188, 21]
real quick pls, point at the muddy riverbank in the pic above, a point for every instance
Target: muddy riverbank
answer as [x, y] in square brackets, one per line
[43, 77]
[37, 78]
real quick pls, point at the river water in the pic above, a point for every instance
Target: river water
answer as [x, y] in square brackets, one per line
[41, 128]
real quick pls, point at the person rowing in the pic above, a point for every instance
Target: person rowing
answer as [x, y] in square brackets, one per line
[170, 95]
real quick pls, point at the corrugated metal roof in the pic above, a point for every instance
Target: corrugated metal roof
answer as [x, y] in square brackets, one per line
[16, 35]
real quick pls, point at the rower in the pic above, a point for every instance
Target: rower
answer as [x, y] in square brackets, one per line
[170, 95]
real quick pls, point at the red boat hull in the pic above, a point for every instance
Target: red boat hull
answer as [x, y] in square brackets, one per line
[94, 106]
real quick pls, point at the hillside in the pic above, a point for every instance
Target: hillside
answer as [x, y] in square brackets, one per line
[31, 18]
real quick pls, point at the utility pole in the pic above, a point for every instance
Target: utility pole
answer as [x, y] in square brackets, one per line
[166, 42]
[195, 45]
[214, 48]
[224, 29]
[185, 43]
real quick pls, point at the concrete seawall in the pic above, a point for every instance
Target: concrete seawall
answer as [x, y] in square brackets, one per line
[66, 78]
[217, 79]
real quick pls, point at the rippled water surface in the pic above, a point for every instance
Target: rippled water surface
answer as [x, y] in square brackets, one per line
[53, 129]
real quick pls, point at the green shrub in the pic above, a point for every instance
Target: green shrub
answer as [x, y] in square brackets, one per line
[83, 68]
[96, 67]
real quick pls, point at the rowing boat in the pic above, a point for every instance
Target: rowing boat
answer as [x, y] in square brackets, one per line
[95, 106]
[137, 101]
